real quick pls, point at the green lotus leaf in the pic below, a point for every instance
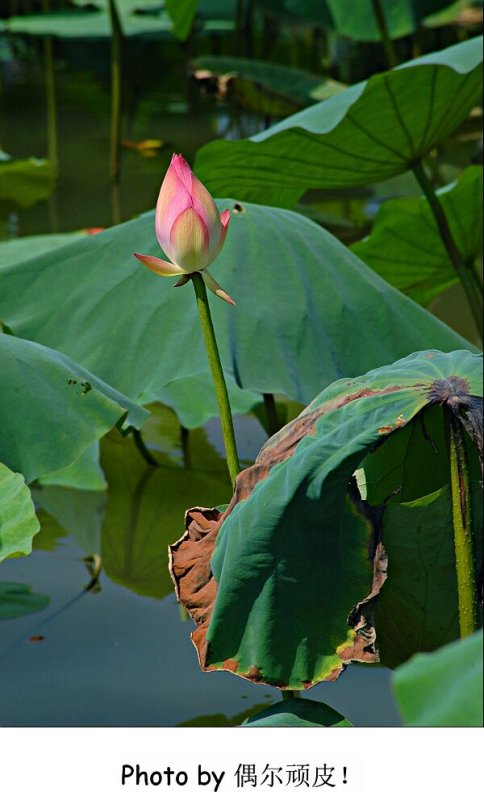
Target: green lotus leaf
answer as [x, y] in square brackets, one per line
[370, 132]
[52, 409]
[24, 182]
[251, 577]
[443, 688]
[405, 247]
[264, 87]
[14, 251]
[417, 608]
[355, 20]
[297, 713]
[182, 13]
[303, 301]
[17, 600]
[18, 523]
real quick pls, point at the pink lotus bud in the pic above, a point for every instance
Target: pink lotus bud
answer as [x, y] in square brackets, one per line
[188, 227]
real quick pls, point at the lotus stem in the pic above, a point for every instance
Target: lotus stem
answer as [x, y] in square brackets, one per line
[143, 450]
[217, 376]
[386, 41]
[464, 272]
[116, 56]
[461, 517]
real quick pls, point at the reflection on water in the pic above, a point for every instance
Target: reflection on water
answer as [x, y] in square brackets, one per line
[122, 655]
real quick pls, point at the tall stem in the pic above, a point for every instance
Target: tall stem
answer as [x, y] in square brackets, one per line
[464, 272]
[217, 375]
[116, 54]
[386, 41]
[461, 517]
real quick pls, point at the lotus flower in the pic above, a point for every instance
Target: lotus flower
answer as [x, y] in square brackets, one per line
[188, 227]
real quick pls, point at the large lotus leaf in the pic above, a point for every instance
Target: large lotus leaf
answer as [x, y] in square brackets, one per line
[52, 409]
[462, 13]
[273, 601]
[24, 182]
[402, 17]
[405, 247]
[18, 523]
[14, 251]
[262, 86]
[94, 302]
[443, 688]
[297, 713]
[417, 608]
[17, 600]
[84, 473]
[91, 24]
[144, 507]
[354, 19]
[370, 132]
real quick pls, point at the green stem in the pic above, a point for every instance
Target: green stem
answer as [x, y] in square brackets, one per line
[386, 41]
[217, 375]
[289, 694]
[464, 273]
[461, 517]
[143, 450]
[116, 54]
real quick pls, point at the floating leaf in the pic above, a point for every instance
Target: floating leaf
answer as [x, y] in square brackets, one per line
[52, 409]
[406, 249]
[297, 713]
[370, 132]
[17, 600]
[92, 301]
[264, 87]
[24, 182]
[18, 523]
[443, 688]
[251, 576]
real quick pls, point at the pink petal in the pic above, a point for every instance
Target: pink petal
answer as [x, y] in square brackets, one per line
[224, 219]
[173, 199]
[214, 287]
[159, 266]
[189, 242]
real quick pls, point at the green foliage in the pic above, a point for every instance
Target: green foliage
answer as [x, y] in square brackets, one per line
[443, 688]
[182, 13]
[18, 523]
[298, 531]
[263, 87]
[406, 249]
[355, 19]
[299, 713]
[52, 409]
[17, 600]
[14, 251]
[24, 182]
[417, 607]
[94, 302]
[370, 132]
